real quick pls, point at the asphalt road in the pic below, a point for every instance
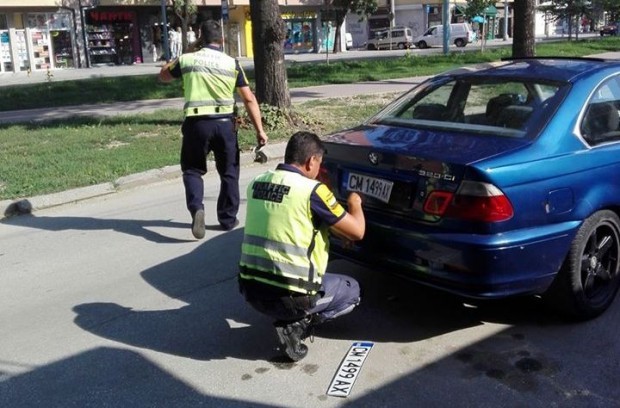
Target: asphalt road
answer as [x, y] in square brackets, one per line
[110, 302]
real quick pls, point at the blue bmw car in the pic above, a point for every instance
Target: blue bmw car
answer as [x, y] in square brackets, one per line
[493, 182]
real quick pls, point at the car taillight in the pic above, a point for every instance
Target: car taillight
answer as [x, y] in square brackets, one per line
[323, 177]
[473, 201]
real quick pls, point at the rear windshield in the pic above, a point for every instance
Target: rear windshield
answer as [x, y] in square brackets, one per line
[505, 107]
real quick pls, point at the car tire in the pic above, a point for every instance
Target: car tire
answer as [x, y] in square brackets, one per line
[371, 47]
[459, 42]
[401, 46]
[588, 280]
[421, 44]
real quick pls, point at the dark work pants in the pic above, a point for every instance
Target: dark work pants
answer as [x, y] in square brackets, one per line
[338, 296]
[202, 135]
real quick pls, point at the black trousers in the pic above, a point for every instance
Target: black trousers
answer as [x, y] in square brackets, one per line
[202, 135]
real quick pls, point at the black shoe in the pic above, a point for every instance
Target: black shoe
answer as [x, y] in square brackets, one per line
[231, 226]
[290, 336]
[198, 224]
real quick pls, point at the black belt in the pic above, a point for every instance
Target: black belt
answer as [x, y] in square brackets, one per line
[212, 118]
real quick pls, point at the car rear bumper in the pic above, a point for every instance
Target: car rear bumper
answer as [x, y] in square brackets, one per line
[478, 266]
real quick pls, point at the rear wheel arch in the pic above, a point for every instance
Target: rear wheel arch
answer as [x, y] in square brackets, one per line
[589, 278]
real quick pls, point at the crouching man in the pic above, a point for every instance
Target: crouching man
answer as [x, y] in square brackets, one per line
[286, 248]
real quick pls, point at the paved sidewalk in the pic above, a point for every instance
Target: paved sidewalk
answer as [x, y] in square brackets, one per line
[146, 106]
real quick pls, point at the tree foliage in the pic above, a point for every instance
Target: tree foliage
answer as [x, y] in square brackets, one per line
[476, 8]
[570, 11]
[338, 10]
[186, 11]
[612, 7]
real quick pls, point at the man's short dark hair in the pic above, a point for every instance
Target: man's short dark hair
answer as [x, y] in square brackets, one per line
[302, 146]
[210, 32]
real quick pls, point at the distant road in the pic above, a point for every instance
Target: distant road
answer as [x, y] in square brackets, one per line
[8, 79]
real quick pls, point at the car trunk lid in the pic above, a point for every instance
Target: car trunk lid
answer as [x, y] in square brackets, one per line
[397, 168]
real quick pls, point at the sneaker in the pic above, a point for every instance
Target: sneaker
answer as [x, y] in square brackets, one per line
[198, 224]
[290, 336]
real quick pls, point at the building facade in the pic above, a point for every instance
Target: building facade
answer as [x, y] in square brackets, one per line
[64, 34]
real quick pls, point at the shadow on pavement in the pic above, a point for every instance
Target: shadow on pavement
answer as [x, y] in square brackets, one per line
[216, 323]
[104, 377]
[139, 228]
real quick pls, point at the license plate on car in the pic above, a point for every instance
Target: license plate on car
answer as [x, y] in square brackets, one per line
[370, 186]
[349, 369]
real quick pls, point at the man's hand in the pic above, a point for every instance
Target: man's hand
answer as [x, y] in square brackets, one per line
[164, 73]
[261, 138]
[353, 225]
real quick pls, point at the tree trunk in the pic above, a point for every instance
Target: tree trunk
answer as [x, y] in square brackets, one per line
[524, 41]
[268, 34]
[340, 16]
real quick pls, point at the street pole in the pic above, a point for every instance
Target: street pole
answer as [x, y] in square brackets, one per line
[392, 15]
[445, 17]
[83, 23]
[505, 20]
[165, 31]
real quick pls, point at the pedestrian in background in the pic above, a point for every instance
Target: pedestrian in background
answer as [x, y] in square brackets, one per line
[210, 78]
[191, 36]
[285, 247]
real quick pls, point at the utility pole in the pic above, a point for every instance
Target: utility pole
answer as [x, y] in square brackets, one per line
[505, 20]
[165, 31]
[445, 17]
[392, 19]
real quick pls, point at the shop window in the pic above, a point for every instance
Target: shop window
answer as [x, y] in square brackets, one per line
[52, 40]
[113, 37]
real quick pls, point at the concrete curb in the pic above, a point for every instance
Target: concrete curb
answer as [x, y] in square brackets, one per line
[23, 206]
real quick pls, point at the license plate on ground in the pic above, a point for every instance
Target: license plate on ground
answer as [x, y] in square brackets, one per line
[349, 369]
[370, 186]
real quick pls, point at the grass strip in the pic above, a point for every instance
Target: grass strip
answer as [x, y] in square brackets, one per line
[141, 87]
[56, 156]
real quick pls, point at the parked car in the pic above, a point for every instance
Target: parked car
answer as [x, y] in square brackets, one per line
[400, 38]
[461, 34]
[611, 29]
[348, 41]
[493, 182]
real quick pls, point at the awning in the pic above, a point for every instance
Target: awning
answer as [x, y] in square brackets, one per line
[490, 11]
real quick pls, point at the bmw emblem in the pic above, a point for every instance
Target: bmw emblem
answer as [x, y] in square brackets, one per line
[373, 157]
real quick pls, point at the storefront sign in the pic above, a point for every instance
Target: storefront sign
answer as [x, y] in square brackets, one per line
[111, 16]
[299, 15]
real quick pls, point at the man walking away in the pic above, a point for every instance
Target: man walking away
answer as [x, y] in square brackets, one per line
[210, 78]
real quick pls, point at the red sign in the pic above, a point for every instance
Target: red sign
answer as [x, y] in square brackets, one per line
[111, 16]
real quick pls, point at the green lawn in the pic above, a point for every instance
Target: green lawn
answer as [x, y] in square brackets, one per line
[45, 158]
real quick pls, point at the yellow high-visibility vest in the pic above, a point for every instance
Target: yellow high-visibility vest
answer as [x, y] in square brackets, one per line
[209, 79]
[281, 246]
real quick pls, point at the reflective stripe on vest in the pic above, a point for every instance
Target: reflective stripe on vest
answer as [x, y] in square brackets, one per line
[281, 247]
[209, 80]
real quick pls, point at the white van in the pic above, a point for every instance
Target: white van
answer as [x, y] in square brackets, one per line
[460, 35]
[348, 38]
[401, 37]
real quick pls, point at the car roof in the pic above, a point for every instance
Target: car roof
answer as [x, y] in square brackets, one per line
[544, 68]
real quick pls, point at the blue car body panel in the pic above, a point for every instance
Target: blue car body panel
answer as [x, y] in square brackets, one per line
[551, 176]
